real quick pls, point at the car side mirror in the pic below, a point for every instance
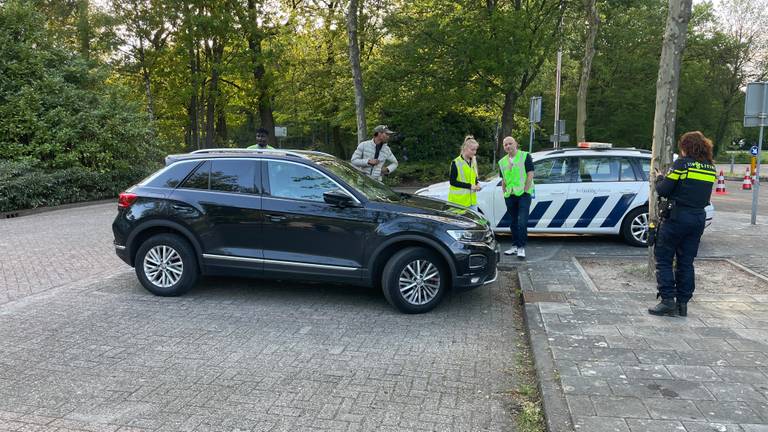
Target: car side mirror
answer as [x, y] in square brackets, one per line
[339, 199]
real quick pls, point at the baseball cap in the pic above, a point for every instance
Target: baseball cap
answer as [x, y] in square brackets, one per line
[382, 128]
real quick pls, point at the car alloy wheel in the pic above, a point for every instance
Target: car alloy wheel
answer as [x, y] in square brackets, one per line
[419, 282]
[639, 228]
[163, 266]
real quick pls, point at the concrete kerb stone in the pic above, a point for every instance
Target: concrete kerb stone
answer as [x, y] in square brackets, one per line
[554, 405]
[27, 212]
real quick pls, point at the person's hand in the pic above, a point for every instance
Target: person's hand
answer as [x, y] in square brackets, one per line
[385, 170]
[476, 187]
[373, 162]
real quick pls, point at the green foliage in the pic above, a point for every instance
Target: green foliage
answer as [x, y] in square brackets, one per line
[24, 184]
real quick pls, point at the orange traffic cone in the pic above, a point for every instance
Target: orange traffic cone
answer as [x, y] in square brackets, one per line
[720, 189]
[747, 183]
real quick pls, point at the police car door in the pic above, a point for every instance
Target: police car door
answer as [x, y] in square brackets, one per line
[552, 178]
[606, 188]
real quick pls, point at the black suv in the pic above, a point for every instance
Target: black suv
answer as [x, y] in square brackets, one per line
[297, 215]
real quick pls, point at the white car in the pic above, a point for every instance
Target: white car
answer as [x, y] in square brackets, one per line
[577, 191]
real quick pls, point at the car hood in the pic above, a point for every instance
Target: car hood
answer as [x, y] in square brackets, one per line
[440, 190]
[440, 211]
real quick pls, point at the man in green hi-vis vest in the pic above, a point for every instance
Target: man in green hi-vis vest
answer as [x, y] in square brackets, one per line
[516, 169]
[262, 135]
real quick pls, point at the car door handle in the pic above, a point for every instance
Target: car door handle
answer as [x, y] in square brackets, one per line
[276, 218]
[558, 193]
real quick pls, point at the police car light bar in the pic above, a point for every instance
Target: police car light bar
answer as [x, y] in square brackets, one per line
[594, 145]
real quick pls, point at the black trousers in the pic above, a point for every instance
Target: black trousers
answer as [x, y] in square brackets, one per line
[678, 239]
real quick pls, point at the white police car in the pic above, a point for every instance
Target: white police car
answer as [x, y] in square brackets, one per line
[593, 189]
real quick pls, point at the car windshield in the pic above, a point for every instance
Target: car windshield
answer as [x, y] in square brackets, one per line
[372, 189]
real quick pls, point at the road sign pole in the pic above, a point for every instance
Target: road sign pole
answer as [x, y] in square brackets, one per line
[756, 189]
[530, 140]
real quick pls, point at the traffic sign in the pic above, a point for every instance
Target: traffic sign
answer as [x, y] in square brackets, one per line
[756, 105]
[753, 150]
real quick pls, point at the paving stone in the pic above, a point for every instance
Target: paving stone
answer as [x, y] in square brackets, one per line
[556, 308]
[658, 357]
[673, 409]
[746, 358]
[599, 424]
[580, 405]
[702, 358]
[585, 386]
[681, 389]
[755, 427]
[734, 392]
[749, 375]
[693, 373]
[643, 425]
[728, 412]
[748, 345]
[635, 388]
[619, 407]
[711, 427]
[709, 344]
[646, 372]
[716, 332]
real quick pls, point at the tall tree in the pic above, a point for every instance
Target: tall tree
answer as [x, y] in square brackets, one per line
[666, 98]
[357, 74]
[593, 21]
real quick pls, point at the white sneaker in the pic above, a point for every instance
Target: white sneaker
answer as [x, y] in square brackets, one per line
[511, 251]
[521, 253]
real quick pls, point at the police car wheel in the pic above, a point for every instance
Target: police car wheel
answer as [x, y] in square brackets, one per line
[414, 280]
[634, 229]
[165, 265]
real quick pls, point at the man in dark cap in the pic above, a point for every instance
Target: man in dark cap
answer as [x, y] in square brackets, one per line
[371, 156]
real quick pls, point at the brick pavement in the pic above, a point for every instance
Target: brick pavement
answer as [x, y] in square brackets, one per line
[45, 250]
[616, 368]
[233, 354]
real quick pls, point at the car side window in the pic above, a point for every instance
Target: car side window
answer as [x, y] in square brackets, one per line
[295, 181]
[599, 169]
[552, 170]
[200, 178]
[645, 164]
[233, 175]
[171, 176]
[627, 171]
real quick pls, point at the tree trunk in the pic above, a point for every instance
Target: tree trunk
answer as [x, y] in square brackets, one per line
[147, 81]
[666, 101]
[214, 53]
[507, 119]
[337, 146]
[593, 21]
[266, 115]
[84, 29]
[357, 75]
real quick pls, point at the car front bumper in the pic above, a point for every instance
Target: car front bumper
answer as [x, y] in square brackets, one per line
[478, 266]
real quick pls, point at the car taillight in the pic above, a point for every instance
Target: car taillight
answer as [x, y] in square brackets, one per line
[126, 199]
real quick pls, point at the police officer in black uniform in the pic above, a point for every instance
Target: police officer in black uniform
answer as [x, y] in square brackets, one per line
[687, 187]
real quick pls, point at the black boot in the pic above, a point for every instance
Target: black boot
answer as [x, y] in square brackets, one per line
[682, 309]
[666, 307]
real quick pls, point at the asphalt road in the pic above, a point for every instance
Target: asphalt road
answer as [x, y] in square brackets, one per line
[740, 201]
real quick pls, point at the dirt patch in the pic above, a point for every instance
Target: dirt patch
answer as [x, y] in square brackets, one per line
[630, 275]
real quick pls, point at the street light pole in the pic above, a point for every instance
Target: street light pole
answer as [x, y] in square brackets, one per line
[557, 130]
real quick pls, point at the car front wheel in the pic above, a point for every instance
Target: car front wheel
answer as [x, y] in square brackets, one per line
[634, 229]
[165, 265]
[414, 280]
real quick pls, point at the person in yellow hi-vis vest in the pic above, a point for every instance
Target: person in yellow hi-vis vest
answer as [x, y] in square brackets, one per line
[516, 169]
[463, 175]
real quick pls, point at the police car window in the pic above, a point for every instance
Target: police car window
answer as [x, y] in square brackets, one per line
[553, 170]
[288, 180]
[646, 166]
[230, 175]
[199, 179]
[598, 169]
[627, 172]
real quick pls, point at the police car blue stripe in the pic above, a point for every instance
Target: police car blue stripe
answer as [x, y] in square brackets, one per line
[591, 211]
[533, 217]
[618, 210]
[537, 213]
[562, 215]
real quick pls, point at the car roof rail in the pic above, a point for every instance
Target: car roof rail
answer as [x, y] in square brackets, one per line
[295, 153]
[571, 149]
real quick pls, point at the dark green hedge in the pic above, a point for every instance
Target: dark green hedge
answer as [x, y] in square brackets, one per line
[24, 185]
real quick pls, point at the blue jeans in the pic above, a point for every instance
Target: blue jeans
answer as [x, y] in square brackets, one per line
[678, 240]
[518, 208]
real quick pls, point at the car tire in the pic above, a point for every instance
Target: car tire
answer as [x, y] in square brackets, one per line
[166, 266]
[634, 228]
[414, 280]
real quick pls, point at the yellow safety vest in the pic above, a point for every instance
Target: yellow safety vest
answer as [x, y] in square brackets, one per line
[461, 196]
[513, 172]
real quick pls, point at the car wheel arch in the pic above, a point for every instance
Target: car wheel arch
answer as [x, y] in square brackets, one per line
[386, 250]
[151, 228]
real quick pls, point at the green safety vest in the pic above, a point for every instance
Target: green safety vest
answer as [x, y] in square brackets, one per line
[514, 175]
[256, 146]
[461, 196]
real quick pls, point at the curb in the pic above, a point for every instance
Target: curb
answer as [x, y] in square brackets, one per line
[556, 413]
[27, 212]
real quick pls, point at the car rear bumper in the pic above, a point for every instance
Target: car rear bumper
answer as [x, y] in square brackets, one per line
[122, 253]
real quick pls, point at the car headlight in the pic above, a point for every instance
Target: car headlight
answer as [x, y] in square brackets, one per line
[468, 236]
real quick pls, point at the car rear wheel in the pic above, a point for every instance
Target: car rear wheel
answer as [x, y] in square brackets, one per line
[165, 265]
[414, 280]
[634, 229]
